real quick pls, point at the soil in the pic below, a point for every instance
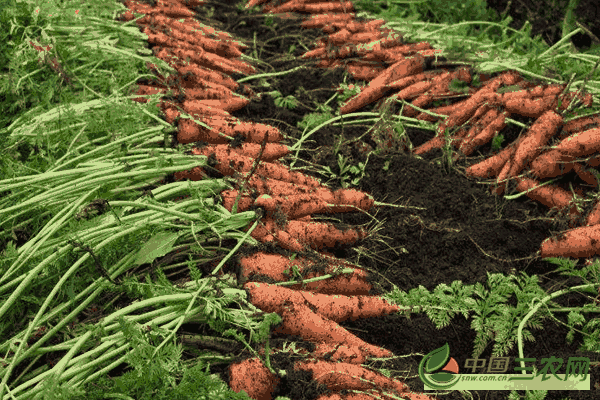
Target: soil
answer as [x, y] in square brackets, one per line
[462, 233]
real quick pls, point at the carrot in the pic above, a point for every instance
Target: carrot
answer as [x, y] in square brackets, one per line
[195, 71]
[271, 152]
[252, 376]
[334, 352]
[228, 161]
[549, 195]
[551, 164]
[362, 71]
[295, 206]
[280, 269]
[337, 308]
[339, 376]
[585, 175]
[580, 124]
[204, 59]
[299, 320]
[229, 197]
[579, 242]
[530, 107]
[485, 135]
[593, 218]
[215, 107]
[530, 145]
[377, 87]
[319, 8]
[318, 234]
[321, 20]
[373, 395]
[171, 10]
[567, 98]
[276, 187]
[580, 144]
[491, 166]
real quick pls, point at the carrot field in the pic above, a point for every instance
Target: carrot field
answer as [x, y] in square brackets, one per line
[294, 200]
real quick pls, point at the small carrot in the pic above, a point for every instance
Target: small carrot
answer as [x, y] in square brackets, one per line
[253, 377]
[580, 144]
[579, 242]
[272, 151]
[229, 197]
[215, 107]
[318, 235]
[530, 107]
[228, 161]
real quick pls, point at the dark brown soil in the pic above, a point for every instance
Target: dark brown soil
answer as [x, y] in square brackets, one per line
[462, 234]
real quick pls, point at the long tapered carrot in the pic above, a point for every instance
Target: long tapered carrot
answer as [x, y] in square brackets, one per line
[549, 195]
[491, 166]
[281, 269]
[271, 152]
[485, 135]
[299, 320]
[336, 308]
[546, 126]
[345, 376]
[228, 161]
[318, 235]
[578, 242]
[377, 87]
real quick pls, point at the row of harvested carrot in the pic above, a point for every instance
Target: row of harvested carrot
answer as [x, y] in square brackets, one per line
[206, 93]
[476, 120]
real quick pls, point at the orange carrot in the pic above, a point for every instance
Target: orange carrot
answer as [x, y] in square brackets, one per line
[551, 164]
[593, 218]
[336, 308]
[228, 161]
[344, 376]
[295, 206]
[377, 87]
[324, 7]
[373, 394]
[491, 166]
[530, 145]
[585, 175]
[252, 376]
[580, 144]
[280, 269]
[276, 187]
[321, 20]
[485, 135]
[229, 197]
[298, 319]
[549, 195]
[580, 124]
[343, 353]
[318, 234]
[530, 107]
[167, 10]
[362, 71]
[215, 107]
[271, 152]
[579, 242]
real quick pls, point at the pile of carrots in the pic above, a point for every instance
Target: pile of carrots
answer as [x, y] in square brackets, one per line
[404, 71]
[199, 99]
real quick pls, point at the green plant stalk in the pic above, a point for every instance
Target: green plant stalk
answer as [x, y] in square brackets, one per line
[535, 309]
